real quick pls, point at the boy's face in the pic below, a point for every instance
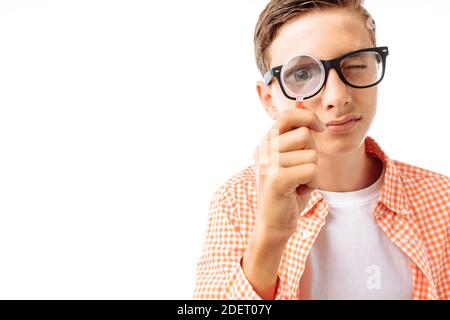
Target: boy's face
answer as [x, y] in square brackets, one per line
[325, 34]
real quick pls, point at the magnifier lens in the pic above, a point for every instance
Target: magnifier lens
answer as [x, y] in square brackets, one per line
[303, 76]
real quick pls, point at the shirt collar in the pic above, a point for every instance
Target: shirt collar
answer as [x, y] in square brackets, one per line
[392, 195]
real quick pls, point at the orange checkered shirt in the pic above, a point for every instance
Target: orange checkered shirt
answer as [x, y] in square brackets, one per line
[413, 210]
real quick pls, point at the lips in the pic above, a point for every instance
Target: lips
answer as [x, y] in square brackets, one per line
[342, 121]
[344, 126]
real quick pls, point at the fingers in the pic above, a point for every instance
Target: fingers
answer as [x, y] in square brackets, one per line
[298, 157]
[293, 128]
[286, 166]
[295, 176]
[295, 118]
[298, 139]
[285, 144]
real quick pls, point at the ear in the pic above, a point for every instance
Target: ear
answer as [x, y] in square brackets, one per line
[265, 95]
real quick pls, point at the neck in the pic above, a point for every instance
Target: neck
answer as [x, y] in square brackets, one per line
[347, 172]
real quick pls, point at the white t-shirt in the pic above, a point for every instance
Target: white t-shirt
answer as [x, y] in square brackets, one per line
[352, 258]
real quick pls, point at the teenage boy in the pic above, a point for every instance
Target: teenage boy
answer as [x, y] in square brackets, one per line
[324, 213]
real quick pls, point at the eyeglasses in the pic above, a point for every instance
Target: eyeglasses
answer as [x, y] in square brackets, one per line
[303, 76]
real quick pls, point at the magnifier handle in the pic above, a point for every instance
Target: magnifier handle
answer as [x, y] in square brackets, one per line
[299, 104]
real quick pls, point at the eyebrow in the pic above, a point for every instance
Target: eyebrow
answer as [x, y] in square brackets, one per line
[350, 54]
[358, 54]
[354, 49]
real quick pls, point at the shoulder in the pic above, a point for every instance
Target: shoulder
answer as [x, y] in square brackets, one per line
[416, 175]
[427, 187]
[239, 187]
[237, 196]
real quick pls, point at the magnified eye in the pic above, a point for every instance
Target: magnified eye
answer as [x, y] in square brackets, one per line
[301, 74]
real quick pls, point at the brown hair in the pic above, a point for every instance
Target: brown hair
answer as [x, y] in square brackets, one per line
[278, 12]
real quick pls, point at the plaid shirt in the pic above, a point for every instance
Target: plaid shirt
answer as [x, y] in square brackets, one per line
[413, 210]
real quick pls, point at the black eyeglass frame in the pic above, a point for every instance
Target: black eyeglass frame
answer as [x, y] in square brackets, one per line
[276, 72]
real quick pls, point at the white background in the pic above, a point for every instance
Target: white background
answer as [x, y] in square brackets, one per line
[119, 119]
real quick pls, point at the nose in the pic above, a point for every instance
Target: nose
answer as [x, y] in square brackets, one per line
[335, 92]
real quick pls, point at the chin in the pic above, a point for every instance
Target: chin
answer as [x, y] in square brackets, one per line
[341, 144]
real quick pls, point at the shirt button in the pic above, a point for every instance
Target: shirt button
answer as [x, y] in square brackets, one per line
[321, 206]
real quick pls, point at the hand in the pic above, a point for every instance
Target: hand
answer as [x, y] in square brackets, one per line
[286, 163]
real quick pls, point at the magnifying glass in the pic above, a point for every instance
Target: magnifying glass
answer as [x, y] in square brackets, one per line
[302, 77]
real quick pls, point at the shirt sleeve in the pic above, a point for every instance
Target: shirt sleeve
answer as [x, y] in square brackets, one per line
[219, 272]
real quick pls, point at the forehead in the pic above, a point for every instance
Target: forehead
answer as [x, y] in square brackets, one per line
[324, 34]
